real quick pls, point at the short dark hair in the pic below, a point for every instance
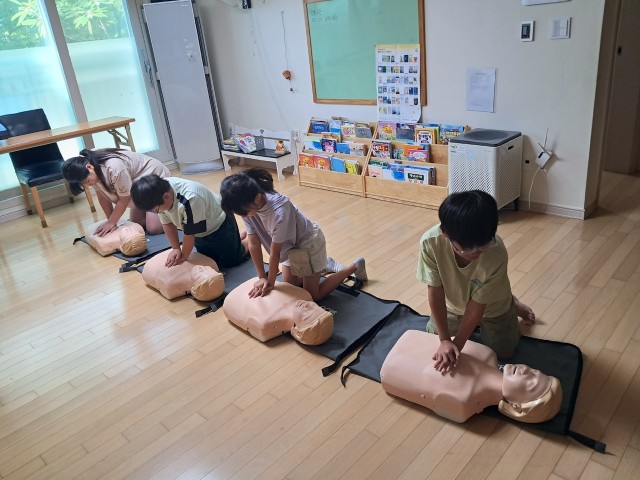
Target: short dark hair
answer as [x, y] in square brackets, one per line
[469, 218]
[147, 192]
[239, 191]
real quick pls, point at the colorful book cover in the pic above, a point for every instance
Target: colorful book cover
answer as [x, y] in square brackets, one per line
[358, 149]
[305, 160]
[246, 142]
[406, 132]
[352, 166]
[323, 162]
[229, 144]
[449, 131]
[416, 175]
[312, 143]
[334, 126]
[338, 165]
[375, 170]
[343, 147]
[408, 149]
[329, 145]
[381, 148]
[397, 171]
[318, 126]
[418, 156]
[363, 131]
[386, 130]
[336, 136]
[348, 129]
[426, 135]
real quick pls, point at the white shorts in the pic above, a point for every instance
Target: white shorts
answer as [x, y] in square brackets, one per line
[309, 259]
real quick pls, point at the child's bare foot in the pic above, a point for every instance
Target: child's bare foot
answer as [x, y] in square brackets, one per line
[524, 312]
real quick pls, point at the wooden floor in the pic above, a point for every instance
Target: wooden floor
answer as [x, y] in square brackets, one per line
[101, 377]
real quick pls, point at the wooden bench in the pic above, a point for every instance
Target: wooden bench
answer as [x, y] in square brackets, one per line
[268, 153]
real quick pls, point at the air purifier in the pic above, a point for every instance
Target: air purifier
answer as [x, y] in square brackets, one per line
[487, 160]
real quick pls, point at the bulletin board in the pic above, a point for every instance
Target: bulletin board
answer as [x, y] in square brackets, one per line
[341, 38]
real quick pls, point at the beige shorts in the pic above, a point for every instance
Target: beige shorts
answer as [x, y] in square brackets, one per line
[500, 333]
[309, 259]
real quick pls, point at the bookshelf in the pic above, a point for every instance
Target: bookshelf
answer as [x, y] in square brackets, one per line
[338, 181]
[430, 196]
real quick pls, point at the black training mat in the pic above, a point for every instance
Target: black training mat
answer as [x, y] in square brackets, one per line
[155, 244]
[558, 359]
[356, 316]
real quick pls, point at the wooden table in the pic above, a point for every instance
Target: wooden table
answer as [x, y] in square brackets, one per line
[45, 137]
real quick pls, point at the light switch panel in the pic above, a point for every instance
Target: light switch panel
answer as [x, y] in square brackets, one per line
[560, 28]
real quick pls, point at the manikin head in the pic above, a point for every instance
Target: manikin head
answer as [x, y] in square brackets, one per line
[529, 395]
[312, 324]
[133, 241]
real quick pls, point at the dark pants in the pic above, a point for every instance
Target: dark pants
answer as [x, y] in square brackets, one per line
[223, 245]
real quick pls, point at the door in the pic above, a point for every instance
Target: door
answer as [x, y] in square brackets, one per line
[622, 131]
[182, 70]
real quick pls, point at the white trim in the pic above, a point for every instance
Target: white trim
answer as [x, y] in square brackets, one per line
[558, 210]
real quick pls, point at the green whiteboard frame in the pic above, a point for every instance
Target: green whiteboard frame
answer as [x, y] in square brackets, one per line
[341, 39]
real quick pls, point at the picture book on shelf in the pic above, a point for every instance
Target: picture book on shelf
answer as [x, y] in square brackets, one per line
[338, 165]
[229, 144]
[419, 155]
[312, 143]
[386, 130]
[397, 171]
[406, 132]
[328, 145]
[417, 175]
[352, 166]
[246, 142]
[381, 148]
[334, 125]
[375, 170]
[335, 136]
[323, 162]
[305, 160]
[426, 135]
[318, 126]
[363, 131]
[449, 131]
[348, 129]
[358, 149]
[408, 149]
[343, 147]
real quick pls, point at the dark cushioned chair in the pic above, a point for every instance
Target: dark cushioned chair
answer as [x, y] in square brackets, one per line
[37, 165]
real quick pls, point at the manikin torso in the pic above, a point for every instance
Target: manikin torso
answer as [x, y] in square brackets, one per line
[181, 279]
[112, 242]
[286, 308]
[473, 385]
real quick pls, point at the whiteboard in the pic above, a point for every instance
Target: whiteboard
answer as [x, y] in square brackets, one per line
[341, 38]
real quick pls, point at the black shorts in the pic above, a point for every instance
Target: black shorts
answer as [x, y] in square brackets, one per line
[224, 245]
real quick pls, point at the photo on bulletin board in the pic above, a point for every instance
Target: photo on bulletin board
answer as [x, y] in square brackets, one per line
[342, 36]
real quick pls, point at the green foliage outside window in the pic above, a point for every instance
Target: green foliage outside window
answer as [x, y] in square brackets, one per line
[22, 24]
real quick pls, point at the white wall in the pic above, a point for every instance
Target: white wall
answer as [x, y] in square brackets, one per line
[540, 84]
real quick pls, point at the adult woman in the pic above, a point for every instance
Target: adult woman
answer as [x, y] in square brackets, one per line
[111, 172]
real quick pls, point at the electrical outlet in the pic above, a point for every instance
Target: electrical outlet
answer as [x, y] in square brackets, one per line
[543, 157]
